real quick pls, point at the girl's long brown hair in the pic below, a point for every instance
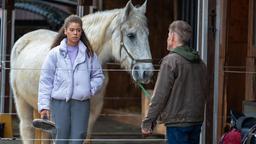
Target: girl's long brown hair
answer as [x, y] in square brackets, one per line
[60, 36]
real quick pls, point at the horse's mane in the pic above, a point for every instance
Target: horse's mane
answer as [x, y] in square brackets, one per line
[97, 25]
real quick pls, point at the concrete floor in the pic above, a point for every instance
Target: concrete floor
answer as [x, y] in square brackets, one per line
[108, 131]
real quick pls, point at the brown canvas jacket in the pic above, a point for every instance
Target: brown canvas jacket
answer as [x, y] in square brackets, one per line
[180, 92]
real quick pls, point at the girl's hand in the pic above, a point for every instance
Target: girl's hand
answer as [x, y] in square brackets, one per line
[45, 114]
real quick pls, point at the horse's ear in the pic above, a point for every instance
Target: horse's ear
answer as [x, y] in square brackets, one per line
[143, 7]
[127, 10]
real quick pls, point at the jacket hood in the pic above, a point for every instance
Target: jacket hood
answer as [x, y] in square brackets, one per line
[188, 53]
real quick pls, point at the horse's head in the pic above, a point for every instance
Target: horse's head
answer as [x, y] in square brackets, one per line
[130, 42]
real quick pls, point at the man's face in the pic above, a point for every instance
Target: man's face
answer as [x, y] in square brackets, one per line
[170, 40]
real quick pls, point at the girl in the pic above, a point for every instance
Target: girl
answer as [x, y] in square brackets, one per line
[71, 74]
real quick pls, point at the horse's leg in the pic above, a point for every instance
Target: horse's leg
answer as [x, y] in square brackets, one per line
[96, 107]
[25, 113]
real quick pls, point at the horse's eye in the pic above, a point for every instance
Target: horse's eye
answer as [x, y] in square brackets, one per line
[131, 35]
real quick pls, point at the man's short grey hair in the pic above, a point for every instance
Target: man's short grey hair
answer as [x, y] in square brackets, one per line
[183, 29]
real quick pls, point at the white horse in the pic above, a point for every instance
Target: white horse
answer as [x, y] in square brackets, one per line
[119, 34]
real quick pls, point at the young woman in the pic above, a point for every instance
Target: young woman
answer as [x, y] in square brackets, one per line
[71, 74]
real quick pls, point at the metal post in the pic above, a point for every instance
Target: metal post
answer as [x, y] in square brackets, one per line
[202, 28]
[3, 55]
[12, 43]
[201, 41]
[80, 8]
[83, 7]
[216, 71]
[7, 42]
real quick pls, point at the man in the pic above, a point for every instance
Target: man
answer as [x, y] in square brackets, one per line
[180, 91]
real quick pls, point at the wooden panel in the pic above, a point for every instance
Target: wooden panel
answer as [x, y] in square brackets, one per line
[7, 120]
[235, 53]
[234, 46]
[121, 92]
[251, 54]
[210, 64]
[251, 79]
[252, 29]
[222, 111]
[160, 15]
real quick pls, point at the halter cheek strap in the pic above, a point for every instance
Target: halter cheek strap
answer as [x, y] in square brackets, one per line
[134, 61]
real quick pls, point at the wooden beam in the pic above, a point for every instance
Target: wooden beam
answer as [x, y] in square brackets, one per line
[210, 66]
[6, 119]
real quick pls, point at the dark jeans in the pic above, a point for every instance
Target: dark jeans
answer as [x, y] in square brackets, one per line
[184, 135]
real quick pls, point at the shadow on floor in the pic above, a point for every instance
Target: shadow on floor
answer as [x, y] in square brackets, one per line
[108, 131]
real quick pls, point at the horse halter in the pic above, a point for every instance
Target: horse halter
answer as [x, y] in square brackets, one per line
[134, 61]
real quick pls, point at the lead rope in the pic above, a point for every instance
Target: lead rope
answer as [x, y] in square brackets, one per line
[145, 92]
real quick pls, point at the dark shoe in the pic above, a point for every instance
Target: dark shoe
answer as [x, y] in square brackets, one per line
[44, 124]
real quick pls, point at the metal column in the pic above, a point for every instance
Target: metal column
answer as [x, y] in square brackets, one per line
[3, 55]
[7, 30]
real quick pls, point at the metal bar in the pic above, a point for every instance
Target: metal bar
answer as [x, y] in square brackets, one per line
[80, 8]
[199, 26]
[12, 43]
[216, 72]
[3, 52]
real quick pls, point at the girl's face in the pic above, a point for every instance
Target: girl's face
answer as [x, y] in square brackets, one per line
[73, 33]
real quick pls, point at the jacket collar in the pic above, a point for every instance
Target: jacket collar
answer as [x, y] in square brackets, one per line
[188, 53]
[63, 48]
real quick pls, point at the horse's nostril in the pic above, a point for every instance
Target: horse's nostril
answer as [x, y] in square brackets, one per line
[147, 74]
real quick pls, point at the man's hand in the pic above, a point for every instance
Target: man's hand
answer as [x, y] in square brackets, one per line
[146, 132]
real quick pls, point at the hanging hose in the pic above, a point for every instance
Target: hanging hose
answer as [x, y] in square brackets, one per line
[54, 16]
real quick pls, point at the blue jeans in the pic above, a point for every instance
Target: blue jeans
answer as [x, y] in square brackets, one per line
[184, 135]
[71, 120]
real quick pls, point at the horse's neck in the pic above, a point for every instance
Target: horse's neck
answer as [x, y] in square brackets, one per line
[97, 27]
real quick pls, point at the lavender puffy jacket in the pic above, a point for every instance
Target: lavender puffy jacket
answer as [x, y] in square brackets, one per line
[60, 80]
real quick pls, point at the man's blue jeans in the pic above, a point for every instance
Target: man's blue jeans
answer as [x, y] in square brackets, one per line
[184, 135]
